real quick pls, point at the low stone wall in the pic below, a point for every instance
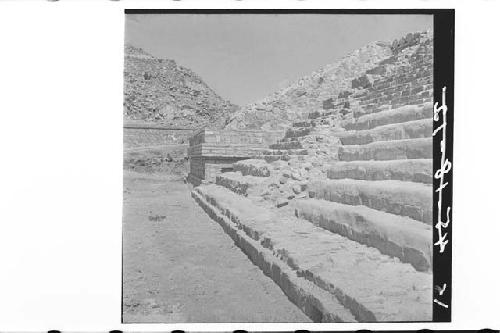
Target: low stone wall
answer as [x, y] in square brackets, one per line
[214, 151]
[244, 137]
[148, 135]
[207, 168]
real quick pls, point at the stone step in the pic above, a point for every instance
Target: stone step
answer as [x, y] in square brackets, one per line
[286, 145]
[288, 140]
[295, 132]
[285, 152]
[283, 157]
[302, 124]
[253, 167]
[328, 276]
[231, 213]
[416, 170]
[388, 150]
[366, 107]
[393, 116]
[409, 130]
[391, 196]
[393, 235]
[320, 122]
[238, 183]
[314, 115]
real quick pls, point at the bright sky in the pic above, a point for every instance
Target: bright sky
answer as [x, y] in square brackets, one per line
[246, 57]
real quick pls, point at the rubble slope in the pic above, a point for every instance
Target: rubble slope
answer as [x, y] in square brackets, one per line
[318, 91]
[161, 91]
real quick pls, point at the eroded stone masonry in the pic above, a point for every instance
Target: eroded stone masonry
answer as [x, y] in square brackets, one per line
[333, 200]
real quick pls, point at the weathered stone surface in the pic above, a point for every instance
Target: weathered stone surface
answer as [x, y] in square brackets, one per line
[415, 170]
[161, 91]
[214, 151]
[302, 124]
[409, 40]
[399, 131]
[286, 106]
[142, 135]
[249, 138]
[303, 185]
[399, 115]
[286, 145]
[253, 167]
[296, 188]
[328, 104]
[372, 220]
[281, 203]
[278, 165]
[296, 176]
[237, 183]
[295, 132]
[314, 301]
[285, 152]
[401, 237]
[364, 81]
[392, 196]
[370, 285]
[313, 115]
[388, 150]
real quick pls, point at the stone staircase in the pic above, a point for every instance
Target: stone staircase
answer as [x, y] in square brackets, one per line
[380, 193]
[358, 247]
[339, 211]
[334, 274]
[289, 146]
[354, 246]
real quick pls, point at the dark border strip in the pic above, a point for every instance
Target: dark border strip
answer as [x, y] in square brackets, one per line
[444, 35]
[484, 330]
[289, 11]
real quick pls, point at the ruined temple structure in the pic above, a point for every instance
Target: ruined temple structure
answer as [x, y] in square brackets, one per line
[214, 151]
[336, 207]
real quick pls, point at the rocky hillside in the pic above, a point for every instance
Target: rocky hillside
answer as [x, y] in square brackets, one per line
[317, 91]
[160, 91]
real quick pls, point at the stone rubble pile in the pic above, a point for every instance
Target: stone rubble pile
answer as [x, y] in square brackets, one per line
[156, 160]
[160, 91]
[308, 93]
[317, 91]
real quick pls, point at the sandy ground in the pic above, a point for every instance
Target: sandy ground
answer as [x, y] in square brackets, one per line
[180, 266]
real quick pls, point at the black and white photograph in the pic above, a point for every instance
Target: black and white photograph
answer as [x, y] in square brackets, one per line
[249, 166]
[278, 167]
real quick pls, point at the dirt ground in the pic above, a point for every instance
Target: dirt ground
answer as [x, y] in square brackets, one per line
[180, 266]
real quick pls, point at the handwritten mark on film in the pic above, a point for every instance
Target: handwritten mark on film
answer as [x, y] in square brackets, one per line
[440, 291]
[440, 174]
[444, 169]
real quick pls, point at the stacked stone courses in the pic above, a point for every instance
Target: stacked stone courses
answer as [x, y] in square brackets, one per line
[211, 151]
[145, 136]
[337, 207]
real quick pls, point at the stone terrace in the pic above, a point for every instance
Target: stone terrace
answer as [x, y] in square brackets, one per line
[139, 135]
[213, 151]
[338, 210]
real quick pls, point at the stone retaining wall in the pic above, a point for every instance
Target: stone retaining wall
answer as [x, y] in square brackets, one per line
[214, 151]
[147, 135]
